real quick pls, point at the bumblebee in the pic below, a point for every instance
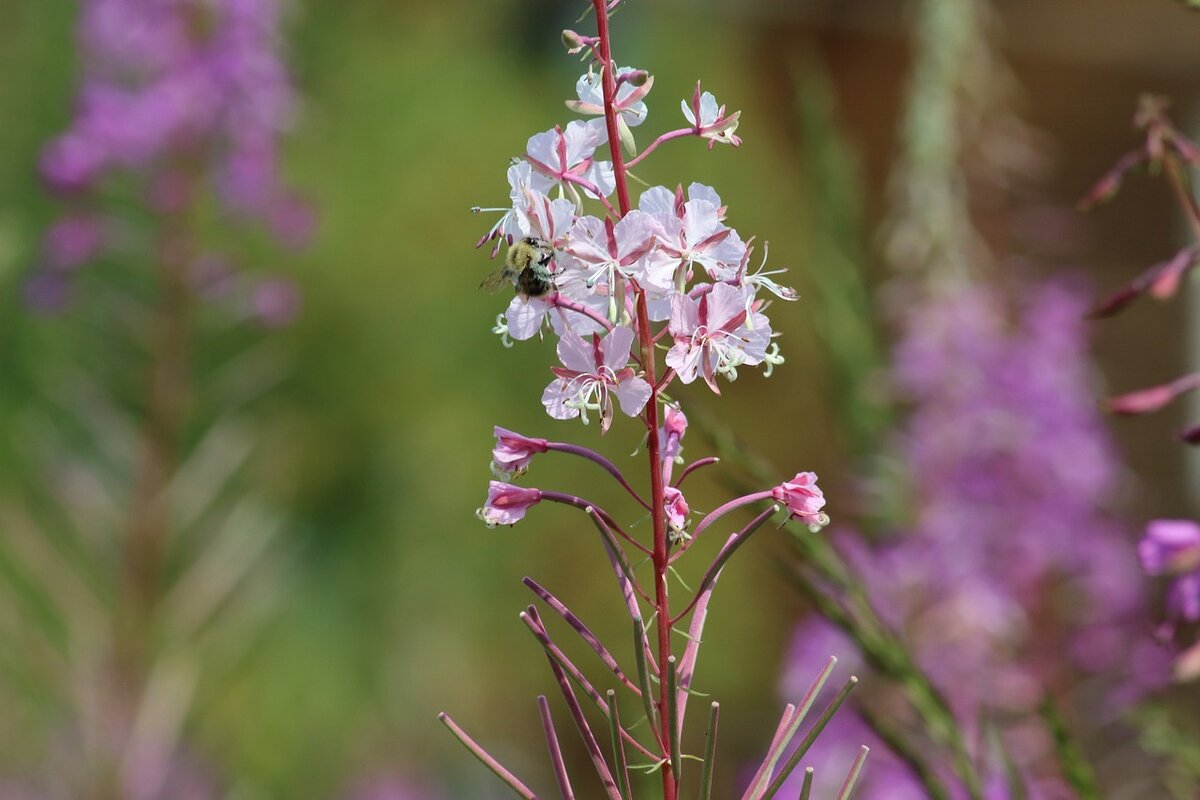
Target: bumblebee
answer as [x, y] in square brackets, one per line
[527, 267]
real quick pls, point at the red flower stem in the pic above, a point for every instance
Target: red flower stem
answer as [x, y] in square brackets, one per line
[731, 545]
[594, 190]
[560, 769]
[584, 505]
[657, 485]
[565, 302]
[666, 137]
[585, 633]
[716, 514]
[758, 783]
[585, 730]
[626, 578]
[604, 463]
[538, 628]
[692, 467]
[486, 758]
[1179, 185]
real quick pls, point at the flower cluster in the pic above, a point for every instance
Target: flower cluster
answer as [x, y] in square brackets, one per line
[620, 285]
[174, 93]
[674, 252]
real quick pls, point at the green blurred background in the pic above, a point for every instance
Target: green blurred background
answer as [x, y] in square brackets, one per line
[395, 602]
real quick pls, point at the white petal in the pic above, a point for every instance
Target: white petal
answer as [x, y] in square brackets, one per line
[577, 354]
[685, 360]
[524, 316]
[658, 201]
[632, 394]
[698, 191]
[555, 398]
[582, 139]
[708, 109]
[541, 147]
[687, 111]
[724, 302]
[685, 315]
[616, 347]
[602, 175]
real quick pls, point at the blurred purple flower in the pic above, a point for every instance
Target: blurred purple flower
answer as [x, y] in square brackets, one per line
[1011, 560]
[178, 92]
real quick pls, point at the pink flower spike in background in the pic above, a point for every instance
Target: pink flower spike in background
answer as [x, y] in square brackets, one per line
[804, 499]
[591, 373]
[506, 504]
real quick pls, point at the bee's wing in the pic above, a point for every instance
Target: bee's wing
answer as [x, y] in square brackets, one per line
[494, 282]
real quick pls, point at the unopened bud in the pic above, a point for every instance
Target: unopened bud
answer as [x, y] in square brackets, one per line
[634, 77]
[626, 136]
[572, 41]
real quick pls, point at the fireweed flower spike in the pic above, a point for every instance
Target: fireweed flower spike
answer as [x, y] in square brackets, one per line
[628, 284]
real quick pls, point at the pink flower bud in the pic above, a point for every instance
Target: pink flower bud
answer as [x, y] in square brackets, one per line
[572, 41]
[507, 504]
[677, 513]
[804, 499]
[673, 427]
[513, 452]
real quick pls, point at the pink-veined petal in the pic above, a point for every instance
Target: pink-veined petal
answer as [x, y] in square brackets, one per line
[616, 346]
[724, 303]
[576, 354]
[555, 399]
[632, 394]
[685, 360]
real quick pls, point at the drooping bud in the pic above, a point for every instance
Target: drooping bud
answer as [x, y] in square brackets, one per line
[506, 504]
[572, 41]
[634, 77]
[804, 500]
[677, 511]
[513, 452]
